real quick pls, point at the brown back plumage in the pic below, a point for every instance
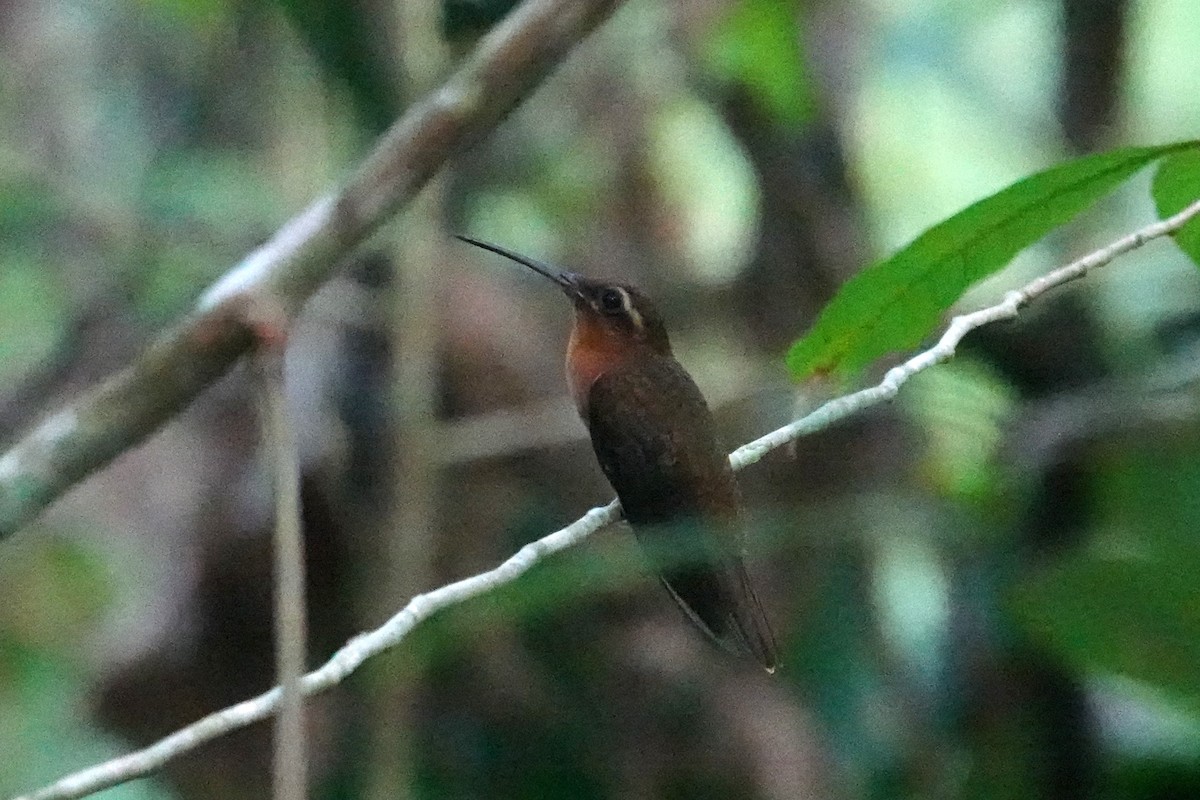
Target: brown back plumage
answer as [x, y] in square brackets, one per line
[653, 435]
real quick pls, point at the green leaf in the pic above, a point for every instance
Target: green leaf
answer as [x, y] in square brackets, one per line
[759, 46]
[1177, 186]
[893, 304]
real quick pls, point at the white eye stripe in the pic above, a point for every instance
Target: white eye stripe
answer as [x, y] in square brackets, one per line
[627, 307]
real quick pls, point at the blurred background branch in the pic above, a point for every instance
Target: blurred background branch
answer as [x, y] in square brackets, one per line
[290, 764]
[73, 442]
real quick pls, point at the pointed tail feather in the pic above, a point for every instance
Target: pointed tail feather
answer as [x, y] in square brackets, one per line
[724, 606]
[752, 623]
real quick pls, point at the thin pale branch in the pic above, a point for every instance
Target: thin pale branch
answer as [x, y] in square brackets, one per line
[960, 326]
[72, 443]
[362, 647]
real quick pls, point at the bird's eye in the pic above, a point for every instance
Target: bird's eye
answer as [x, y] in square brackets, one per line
[612, 300]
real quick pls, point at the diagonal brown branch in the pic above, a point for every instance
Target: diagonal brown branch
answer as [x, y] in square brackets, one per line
[73, 442]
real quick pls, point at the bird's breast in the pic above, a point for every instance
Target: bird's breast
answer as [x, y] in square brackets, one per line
[590, 354]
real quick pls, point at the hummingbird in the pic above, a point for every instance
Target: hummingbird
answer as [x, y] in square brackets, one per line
[655, 439]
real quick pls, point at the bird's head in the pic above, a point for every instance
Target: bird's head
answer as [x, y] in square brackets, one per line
[608, 314]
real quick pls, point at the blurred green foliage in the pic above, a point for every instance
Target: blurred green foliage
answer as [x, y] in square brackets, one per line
[707, 183]
[759, 47]
[187, 198]
[345, 44]
[58, 591]
[963, 409]
[1127, 605]
[32, 305]
[1134, 616]
[32, 317]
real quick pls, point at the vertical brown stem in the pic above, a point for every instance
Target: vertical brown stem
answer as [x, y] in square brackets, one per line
[279, 444]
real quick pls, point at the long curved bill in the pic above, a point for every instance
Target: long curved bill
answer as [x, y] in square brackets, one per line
[563, 279]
